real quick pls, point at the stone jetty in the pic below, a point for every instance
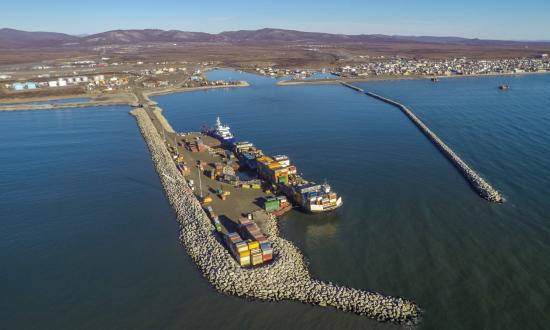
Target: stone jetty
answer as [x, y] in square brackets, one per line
[355, 88]
[285, 278]
[481, 186]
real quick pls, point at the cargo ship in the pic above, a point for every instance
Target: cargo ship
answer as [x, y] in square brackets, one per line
[222, 133]
[247, 154]
[311, 197]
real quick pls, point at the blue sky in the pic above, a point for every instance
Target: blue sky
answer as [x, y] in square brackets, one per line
[526, 19]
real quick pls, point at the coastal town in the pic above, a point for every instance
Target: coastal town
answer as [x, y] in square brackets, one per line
[104, 77]
[366, 67]
[398, 66]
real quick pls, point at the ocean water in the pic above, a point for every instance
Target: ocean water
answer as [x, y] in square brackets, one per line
[88, 241]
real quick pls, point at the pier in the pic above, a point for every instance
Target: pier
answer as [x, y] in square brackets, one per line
[285, 278]
[484, 189]
[355, 88]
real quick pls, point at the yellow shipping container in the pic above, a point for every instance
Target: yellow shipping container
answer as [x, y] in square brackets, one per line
[256, 186]
[281, 171]
[244, 253]
[253, 245]
[264, 159]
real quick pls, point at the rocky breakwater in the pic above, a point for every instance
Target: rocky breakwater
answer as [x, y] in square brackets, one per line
[287, 277]
[355, 88]
[481, 186]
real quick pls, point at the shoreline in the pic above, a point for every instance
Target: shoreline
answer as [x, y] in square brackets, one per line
[174, 90]
[24, 100]
[125, 98]
[117, 99]
[334, 81]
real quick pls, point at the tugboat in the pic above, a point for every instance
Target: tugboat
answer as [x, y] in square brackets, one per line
[222, 133]
[503, 87]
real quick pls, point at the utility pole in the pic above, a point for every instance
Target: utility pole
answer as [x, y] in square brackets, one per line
[200, 181]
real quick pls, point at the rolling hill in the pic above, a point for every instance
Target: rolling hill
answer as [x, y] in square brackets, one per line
[10, 38]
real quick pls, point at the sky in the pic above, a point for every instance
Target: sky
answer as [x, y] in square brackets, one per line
[487, 19]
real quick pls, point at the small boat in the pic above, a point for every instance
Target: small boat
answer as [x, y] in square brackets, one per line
[503, 87]
[434, 79]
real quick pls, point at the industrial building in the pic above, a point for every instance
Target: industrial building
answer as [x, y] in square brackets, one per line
[24, 86]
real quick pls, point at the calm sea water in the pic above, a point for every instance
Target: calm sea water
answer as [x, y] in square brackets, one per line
[87, 239]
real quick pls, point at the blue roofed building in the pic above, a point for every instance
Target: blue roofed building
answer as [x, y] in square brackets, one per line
[23, 86]
[18, 86]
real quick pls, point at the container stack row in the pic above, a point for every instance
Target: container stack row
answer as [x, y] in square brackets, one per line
[260, 244]
[215, 220]
[249, 246]
[276, 170]
[196, 146]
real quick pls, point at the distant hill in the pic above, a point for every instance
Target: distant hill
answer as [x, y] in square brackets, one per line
[247, 48]
[141, 36]
[280, 35]
[16, 38]
[10, 38]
